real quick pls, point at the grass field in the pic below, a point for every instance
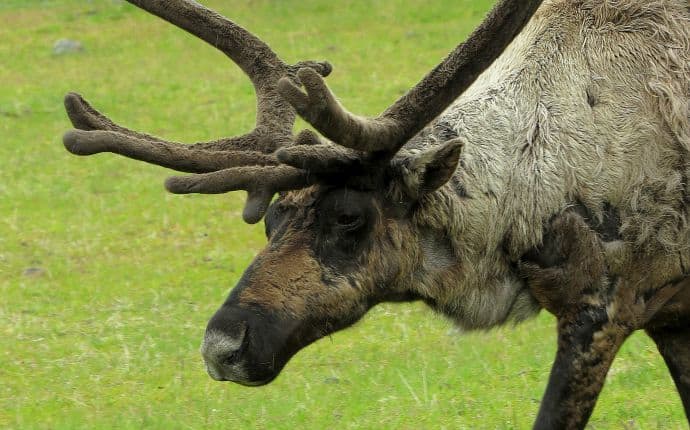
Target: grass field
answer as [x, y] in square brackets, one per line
[107, 281]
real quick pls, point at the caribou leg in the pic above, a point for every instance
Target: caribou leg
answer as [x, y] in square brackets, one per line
[674, 346]
[596, 312]
[587, 344]
[669, 327]
[590, 333]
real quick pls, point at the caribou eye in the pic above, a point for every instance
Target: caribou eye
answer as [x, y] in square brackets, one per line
[349, 221]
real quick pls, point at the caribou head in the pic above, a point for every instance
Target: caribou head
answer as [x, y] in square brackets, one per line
[348, 228]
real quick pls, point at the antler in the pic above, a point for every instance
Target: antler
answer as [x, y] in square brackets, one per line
[413, 111]
[249, 162]
[237, 157]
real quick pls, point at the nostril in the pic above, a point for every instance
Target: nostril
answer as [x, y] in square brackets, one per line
[230, 358]
[223, 348]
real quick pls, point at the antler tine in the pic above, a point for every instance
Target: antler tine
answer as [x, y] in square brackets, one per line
[86, 117]
[261, 183]
[96, 133]
[436, 91]
[180, 158]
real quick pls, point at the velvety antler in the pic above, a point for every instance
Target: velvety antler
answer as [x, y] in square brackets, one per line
[248, 162]
[246, 154]
[261, 183]
[412, 112]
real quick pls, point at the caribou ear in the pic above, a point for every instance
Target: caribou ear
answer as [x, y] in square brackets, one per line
[426, 171]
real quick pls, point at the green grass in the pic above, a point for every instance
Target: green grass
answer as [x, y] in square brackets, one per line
[107, 281]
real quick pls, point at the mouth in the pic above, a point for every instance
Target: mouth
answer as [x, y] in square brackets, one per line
[255, 383]
[216, 376]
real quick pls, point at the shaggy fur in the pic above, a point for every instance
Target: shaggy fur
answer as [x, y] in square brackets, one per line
[591, 103]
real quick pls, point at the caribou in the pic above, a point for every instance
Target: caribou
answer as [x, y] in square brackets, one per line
[543, 164]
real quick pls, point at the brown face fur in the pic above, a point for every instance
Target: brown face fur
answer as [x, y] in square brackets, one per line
[333, 253]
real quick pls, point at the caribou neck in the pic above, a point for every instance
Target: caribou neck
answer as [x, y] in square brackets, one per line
[551, 123]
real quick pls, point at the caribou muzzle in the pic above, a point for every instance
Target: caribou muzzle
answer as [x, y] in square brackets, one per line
[243, 346]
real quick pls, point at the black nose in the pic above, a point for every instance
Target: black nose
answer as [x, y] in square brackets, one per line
[222, 351]
[244, 345]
